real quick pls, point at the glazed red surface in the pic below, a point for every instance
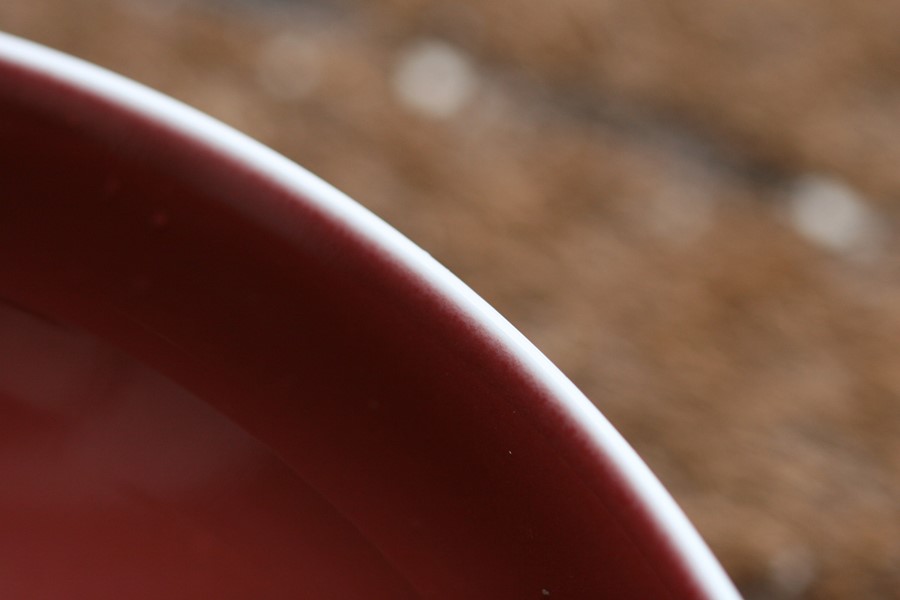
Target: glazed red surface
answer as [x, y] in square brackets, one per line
[210, 389]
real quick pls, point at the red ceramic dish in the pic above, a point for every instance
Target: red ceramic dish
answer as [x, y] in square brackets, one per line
[220, 378]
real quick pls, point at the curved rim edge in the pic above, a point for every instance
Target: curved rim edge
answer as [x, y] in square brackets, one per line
[709, 575]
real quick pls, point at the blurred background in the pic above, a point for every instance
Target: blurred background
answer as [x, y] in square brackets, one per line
[691, 207]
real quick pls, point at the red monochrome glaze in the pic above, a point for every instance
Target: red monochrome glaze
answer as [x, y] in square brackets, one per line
[210, 388]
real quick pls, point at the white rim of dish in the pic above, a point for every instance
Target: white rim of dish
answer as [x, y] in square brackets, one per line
[228, 141]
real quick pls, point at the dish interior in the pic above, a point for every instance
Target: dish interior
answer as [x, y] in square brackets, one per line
[210, 388]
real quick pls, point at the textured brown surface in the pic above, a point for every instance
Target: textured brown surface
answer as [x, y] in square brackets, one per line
[619, 184]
